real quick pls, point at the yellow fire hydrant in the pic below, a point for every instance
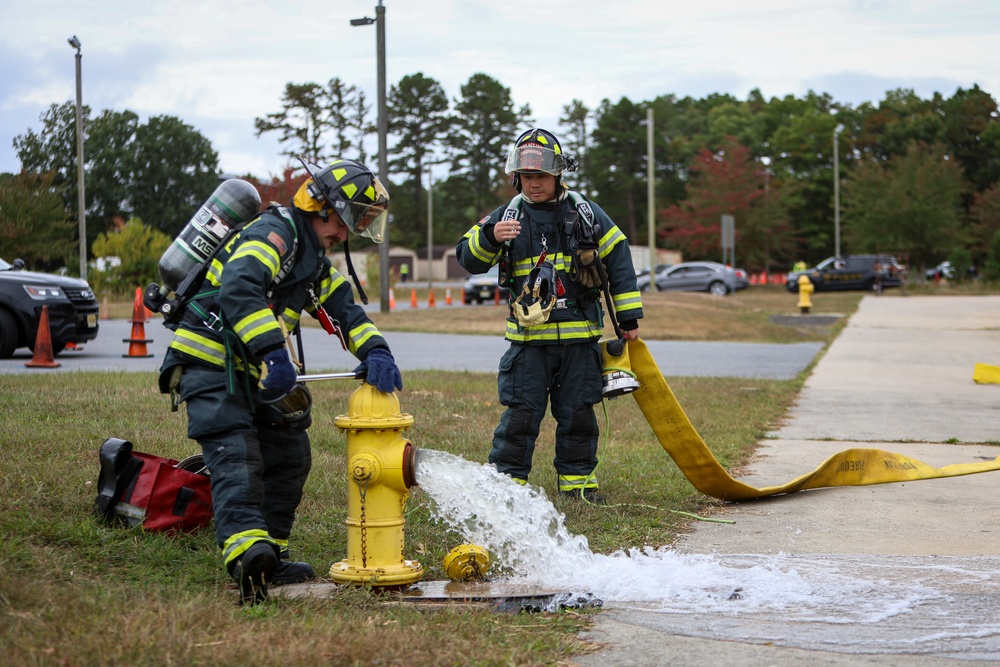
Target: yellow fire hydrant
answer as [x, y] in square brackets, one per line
[380, 472]
[805, 291]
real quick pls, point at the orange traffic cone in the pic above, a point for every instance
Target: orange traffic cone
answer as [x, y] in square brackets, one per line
[496, 297]
[430, 299]
[43, 357]
[392, 299]
[447, 296]
[413, 298]
[137, 343]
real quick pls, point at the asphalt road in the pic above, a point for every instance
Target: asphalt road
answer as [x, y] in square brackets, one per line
[416, 351]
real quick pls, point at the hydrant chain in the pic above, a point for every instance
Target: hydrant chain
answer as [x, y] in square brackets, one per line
[363, 491]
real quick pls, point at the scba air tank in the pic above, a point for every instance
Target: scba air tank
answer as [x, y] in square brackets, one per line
[232, 204]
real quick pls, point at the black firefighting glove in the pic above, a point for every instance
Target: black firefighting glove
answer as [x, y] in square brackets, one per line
[381, 370]
[281, 375]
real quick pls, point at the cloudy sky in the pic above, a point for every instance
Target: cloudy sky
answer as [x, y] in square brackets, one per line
[218, 65]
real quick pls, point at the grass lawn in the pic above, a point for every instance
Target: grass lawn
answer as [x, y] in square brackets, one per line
[76, 592]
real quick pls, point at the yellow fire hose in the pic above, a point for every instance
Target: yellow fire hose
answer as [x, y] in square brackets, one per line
[676, 434]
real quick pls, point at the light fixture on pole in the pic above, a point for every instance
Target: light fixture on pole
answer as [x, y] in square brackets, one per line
[836, 190]
[383, 162]
[651, 198]
[80, 199]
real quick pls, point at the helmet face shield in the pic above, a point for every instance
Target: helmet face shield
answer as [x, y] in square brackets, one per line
[535, 157]
[367, 219]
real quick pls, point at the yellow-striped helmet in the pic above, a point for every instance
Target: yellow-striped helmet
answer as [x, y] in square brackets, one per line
[349, 189]
[537, 150]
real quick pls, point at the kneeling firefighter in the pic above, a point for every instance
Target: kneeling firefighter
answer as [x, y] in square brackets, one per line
[229, 362]
[557, 252]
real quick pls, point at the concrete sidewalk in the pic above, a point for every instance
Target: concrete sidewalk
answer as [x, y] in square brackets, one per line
[898, 378]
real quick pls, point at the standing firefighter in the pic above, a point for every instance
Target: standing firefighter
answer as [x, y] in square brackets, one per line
[557, 251]
[230, 363]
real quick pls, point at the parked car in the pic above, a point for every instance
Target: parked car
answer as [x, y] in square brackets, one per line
[483, 287]
[947, 271]
[850, 272]
[72, 309]
[645, 271]
[742, 279]
[712, 277]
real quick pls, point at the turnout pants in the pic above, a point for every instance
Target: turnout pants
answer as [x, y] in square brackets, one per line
[258, 468]
[530, 376]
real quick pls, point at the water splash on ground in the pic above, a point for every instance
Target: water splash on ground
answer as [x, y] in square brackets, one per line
[811, 598]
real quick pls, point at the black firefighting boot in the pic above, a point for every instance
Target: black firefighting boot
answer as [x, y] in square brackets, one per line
[291, 572]
[254, 570]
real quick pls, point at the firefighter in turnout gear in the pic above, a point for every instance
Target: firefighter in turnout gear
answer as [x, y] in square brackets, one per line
[229, 361]
[557, 251]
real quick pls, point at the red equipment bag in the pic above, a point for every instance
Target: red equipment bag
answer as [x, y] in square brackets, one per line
[160, 494]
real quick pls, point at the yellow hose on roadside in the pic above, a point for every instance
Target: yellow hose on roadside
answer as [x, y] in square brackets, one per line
[676, 434]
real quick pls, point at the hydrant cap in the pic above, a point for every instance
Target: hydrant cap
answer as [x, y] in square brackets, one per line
[368, 407]
[467, 562]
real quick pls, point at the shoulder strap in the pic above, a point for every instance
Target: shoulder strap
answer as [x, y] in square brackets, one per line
[583, 206]
[513, 208]
[287, 265]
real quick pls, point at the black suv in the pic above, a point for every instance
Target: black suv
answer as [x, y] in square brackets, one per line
[851, 272]
[72, 307]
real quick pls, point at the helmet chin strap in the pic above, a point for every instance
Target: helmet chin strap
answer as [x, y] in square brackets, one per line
[353, 273]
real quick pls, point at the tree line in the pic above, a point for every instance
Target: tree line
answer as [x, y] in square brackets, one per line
[918, 177]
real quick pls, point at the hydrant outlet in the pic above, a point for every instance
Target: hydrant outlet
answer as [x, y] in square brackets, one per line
[365, 468]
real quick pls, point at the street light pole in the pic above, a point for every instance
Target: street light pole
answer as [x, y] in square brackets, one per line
[836, 190]
[650, 196]
[80, 198]
[430, 229]
[383, 159]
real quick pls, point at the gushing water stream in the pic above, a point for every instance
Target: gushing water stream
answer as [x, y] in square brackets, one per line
[892, 605]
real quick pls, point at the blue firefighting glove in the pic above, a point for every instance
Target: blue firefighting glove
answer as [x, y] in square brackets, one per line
[381, 370]
[281, 375]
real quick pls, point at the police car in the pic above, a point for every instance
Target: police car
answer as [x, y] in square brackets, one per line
[483, 287]
[72, 309]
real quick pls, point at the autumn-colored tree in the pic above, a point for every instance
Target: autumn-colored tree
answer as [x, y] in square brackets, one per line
[729, 182]
[279, 189]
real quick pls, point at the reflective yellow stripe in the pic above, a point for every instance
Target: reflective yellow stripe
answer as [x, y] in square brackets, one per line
[477, 249]
[260, 251]
[237, 544]
[328, 285]
[360, 335]
[205, 349]
[577, 482]
[554, 331]
[291, 317]
[214, 275]
[627, 301]
[255, 324]
[199, 347]
[610, 240]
